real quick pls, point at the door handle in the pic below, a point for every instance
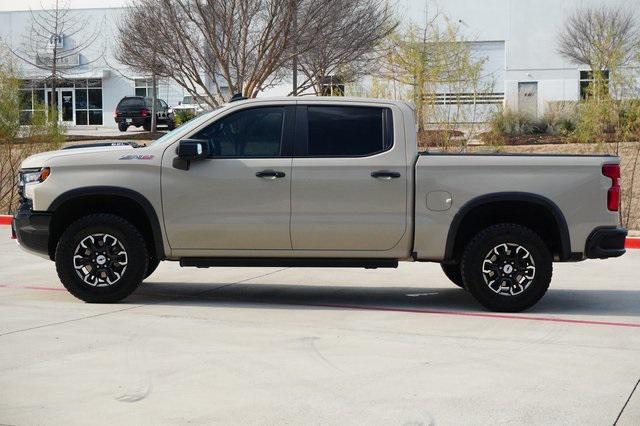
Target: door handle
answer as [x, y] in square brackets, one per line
[385, 174]
[270, 174]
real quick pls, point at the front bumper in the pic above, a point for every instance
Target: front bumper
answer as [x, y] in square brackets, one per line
[606, 242]
[32, 229]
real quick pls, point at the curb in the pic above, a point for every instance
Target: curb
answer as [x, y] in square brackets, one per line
[630, 243]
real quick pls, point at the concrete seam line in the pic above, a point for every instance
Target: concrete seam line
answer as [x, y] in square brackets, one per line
[68, 321]
[213, 290]
[626, 403]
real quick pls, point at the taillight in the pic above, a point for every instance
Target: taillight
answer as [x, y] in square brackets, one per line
[117, 113]
[144, 112]
[612, 171]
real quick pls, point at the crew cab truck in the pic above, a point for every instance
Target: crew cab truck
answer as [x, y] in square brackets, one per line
[310, 182]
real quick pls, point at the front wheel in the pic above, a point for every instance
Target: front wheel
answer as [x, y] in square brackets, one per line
[453, 273]
[152, 265]
[507, 267]
[101, 258]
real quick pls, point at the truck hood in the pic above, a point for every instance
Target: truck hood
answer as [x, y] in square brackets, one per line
[41, 159]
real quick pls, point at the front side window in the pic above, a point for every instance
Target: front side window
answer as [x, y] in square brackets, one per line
[345, 131]
[248, 133]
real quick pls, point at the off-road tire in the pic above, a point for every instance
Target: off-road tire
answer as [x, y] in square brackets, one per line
[123, 127]
[484, 242]
[452, 271]
[152, 265]
[130, 238]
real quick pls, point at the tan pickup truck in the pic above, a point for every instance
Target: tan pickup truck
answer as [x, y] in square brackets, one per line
[315, 182]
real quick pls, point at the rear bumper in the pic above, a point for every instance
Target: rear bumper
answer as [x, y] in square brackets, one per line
[135, 121]
[141, 121]
[606, 242]
[32, 230]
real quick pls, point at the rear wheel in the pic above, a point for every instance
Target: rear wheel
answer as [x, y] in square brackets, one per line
[101, 258]
[507, 268]
[123, 127]
[453, 273]
[147, 127]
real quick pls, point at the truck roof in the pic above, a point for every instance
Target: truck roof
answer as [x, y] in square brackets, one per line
[328, 99]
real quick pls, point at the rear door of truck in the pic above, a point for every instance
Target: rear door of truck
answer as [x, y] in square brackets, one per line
[349, 179]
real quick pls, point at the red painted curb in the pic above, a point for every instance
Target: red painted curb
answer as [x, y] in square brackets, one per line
[5, 219]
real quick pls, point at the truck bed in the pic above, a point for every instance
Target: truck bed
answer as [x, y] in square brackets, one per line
[447, 183]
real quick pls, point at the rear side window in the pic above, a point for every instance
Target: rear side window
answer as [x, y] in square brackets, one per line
[346, 131]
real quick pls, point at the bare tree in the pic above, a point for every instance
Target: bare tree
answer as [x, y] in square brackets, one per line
[445, 79]
[54, 44]
[603, 38]
[137, 48]
[217, 48]
[348, 47]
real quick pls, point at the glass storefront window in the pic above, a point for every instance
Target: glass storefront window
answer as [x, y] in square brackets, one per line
[87, 106]
[81, 99]
[95, 117]
[26, 99]
[39, 96]
[143, 87]
[88, 102]
[95, 98]
[81, 118]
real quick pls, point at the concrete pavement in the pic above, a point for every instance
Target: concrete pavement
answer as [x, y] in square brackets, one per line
[320, 346]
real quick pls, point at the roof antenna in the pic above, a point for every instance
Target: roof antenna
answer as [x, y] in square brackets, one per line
[237, 97]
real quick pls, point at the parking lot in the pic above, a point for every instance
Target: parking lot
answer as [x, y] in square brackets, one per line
[322, 346]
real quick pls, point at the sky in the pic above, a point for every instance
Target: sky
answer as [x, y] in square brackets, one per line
[36, 4]
[410, 7]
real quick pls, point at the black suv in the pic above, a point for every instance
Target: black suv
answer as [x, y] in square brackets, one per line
[136, 111]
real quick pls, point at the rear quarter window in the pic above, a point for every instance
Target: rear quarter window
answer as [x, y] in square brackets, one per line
[348, 131]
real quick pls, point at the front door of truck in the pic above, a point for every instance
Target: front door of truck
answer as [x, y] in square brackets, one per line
[350, 184]
[239, 198]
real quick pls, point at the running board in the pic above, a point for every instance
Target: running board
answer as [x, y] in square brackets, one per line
[208, 262]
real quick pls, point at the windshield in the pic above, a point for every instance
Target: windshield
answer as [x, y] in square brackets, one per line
[188, 126]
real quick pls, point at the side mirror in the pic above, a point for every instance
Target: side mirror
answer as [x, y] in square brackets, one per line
[191, 149]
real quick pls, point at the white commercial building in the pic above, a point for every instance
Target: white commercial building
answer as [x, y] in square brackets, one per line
[518, 38]
[93, 82]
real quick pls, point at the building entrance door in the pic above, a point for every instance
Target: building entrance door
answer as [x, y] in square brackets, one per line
[66, 105]
[528, 98]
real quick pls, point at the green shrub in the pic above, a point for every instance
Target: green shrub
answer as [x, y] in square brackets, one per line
[560, 118]
[508, 122]
[629, 121]
[598, 120]
[183, 115]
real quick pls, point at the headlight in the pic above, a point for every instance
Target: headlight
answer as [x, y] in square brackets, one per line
[34, 175]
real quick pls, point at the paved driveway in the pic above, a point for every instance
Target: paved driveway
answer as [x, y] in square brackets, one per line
[330, 346]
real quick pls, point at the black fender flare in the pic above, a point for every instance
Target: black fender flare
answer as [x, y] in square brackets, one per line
[527, 197]
[134, 196]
